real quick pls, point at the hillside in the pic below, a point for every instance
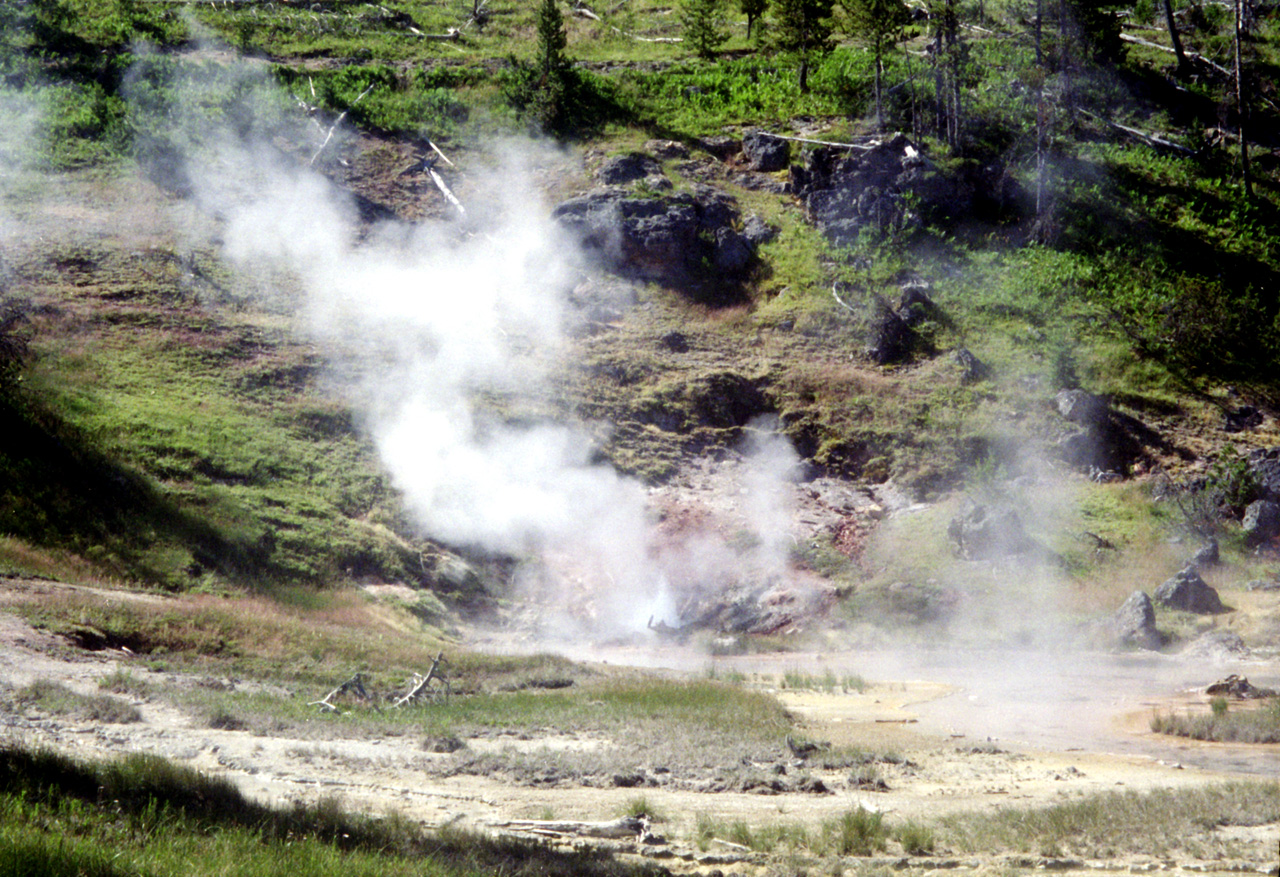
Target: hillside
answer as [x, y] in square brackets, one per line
[252, 345]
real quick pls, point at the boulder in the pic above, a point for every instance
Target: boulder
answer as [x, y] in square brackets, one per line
[666, 239]
[972, 369]
[891, 185]
[766, 153]
[1190, 593]
[1217, 645]
[1261, 522]
[1264, 464]
[1083, 408]
[628, 168]
[983, 533]
[1134, 624]
[757, 231]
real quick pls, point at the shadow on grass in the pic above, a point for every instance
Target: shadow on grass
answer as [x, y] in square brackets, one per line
[58, 491]
[139, 787]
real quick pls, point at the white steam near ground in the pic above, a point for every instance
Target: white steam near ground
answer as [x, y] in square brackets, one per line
[421, 320]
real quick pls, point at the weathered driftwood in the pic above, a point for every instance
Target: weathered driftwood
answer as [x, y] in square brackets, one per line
[1149, 139]
[422, 687]
[353, 687]
[625, 826]
[337, 122]
[865, 147]
[1195, 57]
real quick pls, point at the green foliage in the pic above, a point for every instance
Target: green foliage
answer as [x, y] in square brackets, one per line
[703, 24]
[1232, 479]
[805, 28]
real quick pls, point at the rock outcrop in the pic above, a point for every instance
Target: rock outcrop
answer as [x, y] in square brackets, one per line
[891, 185]
[670, 239]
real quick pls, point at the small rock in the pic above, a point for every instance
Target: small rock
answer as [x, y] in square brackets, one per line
[757, 231]
[676, 342]
[1207, 556]
[972, 369]
[1242, 418]
[666, 149]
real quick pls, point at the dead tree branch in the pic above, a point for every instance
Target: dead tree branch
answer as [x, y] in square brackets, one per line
[337, 122]
[422, 687]
[353, 687]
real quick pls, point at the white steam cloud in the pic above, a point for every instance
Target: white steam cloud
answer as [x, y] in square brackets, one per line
[429, 317]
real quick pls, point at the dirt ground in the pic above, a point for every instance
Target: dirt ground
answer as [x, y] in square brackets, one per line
[947, 764]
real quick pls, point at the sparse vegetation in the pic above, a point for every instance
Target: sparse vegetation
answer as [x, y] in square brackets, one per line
[1226, 723]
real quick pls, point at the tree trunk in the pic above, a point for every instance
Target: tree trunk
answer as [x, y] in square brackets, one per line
[1242, 107]
[1175, 39]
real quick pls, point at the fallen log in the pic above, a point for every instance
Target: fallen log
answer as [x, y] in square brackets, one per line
[625, 826]
[1149, 139]
[422, 687]
[1190, 56]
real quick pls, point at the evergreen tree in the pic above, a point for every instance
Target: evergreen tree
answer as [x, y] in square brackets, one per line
[703, 22]
[754, 10]
[803, 27]
[552, 40]
[879, 25]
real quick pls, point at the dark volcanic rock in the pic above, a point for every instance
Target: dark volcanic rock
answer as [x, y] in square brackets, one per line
[891, 185]
[1261, 522]
[1242, 418]
[1134, 623]
[1083, 408]
[1264, 463]
[764, 152]
[668, 239]
[972, 369]
[1190, 593]
[622, 169]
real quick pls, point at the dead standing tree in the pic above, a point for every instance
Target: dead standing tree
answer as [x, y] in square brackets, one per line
[433, 687]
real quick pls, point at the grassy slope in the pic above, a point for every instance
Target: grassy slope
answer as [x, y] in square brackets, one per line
[226, 459]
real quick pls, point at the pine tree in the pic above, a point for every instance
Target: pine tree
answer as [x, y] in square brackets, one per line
[754, 10]
[703, 22]
[803, 27]
[879, 24]
[552, 40]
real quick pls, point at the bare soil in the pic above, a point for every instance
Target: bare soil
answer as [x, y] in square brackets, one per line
[941, 762]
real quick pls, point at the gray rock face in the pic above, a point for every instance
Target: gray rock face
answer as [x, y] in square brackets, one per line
[1134, 623]
[622, 169]
[764, 152]
[1261, 522]
[1190, 593]
[666, 239]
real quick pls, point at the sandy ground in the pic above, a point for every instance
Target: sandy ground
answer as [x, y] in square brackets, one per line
[947, 765]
